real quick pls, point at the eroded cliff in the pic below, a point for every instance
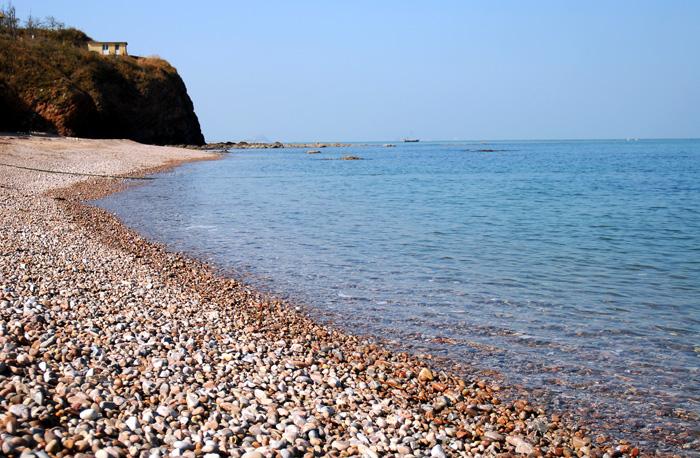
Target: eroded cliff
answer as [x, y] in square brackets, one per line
[49, 81]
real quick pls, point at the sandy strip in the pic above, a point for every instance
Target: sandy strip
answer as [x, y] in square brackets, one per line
[111, 346]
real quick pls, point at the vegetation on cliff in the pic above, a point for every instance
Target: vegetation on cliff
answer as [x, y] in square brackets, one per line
[49, 81]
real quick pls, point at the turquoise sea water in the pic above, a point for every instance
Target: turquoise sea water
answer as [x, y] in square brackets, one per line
[572, 268]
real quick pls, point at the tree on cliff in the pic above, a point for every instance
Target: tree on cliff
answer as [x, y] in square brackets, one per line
[8, 20]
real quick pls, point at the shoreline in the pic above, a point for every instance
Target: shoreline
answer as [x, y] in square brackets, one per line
[224, 352]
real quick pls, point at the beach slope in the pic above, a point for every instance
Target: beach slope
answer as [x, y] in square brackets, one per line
[111, 346]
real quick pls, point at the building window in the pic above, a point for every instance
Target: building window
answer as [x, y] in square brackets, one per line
[105, 49]
[117, 51]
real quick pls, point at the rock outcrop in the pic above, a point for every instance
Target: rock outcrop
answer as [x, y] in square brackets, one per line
[49, 81]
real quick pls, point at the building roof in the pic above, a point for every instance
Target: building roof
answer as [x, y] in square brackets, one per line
[108, 42]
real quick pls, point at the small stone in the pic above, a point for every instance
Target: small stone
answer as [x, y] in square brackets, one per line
[366, 451]
[494, 436]
[19, 411]
[192, 400]
[108, 405]
[147, 416]
[7, 448]
[11, 425]
[164, 411]
[38, 397]
[277, 444]
[183, 445]
[437, 452]
[340, 445]
[89, 414]
[440, 403]
[132, 423]
[253, 454]
[261, 396]
[425, 375]
[521, 445]
[578, 442]
[291, 433]
[53, 446]
[485, 407]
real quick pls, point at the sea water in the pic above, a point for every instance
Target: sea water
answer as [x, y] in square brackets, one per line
[571, 268]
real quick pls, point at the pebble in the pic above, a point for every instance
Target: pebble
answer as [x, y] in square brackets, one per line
[521, 445]
[437, 452]
[277, 444]
[89, 414]
[493, 435]
[340, 445]
[366, 452]
[253, 454]
[425, 375]
[19, 411]
[192, 400]
[132, 423]
[53, 446]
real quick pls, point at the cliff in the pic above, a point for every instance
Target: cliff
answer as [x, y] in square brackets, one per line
[49, 81]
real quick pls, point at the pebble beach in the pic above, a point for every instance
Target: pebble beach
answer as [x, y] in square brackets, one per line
[111, 346]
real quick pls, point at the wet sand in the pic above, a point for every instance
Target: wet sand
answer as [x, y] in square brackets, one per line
[112, 346]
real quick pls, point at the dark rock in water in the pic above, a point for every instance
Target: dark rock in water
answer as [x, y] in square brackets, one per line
[350, 158]
[313, 151]
[258, 145]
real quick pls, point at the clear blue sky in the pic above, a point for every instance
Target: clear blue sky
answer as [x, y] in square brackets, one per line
[383, 70]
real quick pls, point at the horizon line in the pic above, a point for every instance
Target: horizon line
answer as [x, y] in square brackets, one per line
[483, 140]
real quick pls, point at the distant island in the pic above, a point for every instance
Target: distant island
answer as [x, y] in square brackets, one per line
[58, 80]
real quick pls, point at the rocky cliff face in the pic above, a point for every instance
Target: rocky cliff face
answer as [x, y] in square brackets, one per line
[51, 82]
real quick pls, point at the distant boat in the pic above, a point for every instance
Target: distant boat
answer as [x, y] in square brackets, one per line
[411, 140]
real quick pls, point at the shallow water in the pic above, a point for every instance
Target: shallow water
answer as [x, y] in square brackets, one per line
[572, 268]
